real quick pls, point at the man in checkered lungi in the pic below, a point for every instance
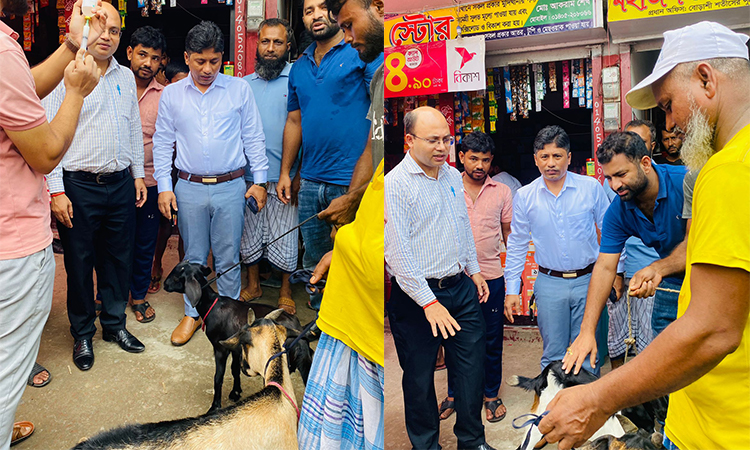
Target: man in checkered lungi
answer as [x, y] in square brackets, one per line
[270, 84]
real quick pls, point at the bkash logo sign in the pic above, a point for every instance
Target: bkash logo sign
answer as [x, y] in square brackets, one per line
[466, 56]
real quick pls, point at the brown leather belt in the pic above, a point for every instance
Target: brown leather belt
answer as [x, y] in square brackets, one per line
[573, 274]
[212, 179]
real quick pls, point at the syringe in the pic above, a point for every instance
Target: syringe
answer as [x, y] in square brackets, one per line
[86, 8]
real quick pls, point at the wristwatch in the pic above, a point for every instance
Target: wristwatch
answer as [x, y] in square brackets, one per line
[263, 185]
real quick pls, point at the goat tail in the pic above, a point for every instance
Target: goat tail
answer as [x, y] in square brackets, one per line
[522, 382]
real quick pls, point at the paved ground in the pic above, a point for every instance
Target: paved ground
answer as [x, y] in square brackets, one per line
[162, 383]
[522, 351]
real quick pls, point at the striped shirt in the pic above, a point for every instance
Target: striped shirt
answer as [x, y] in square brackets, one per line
[108, 138]
[427, 229]
[563, 227]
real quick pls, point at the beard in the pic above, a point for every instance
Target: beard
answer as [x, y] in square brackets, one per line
[326, 33]
[270, 69]
[478, 175]
[637, 188]
[373, 45]
[698, 145]
[15, 7]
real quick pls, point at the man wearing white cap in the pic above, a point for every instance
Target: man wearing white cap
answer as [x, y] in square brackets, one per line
[702, 82]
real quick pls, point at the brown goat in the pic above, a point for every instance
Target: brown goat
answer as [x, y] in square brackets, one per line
[265, 420]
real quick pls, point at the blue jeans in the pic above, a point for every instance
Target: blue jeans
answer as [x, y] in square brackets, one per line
[665, 307]
[211, 218]
[560, 305]
[314, 197]
[147, 219]
[669, 445]
[492, 311]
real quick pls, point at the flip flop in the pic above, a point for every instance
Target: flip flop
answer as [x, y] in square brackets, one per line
[142, 308]
[21, 432]
[446, 405]
[155, 285]
[288, 305]
[36, 370]
[492, 407]
[246, 297]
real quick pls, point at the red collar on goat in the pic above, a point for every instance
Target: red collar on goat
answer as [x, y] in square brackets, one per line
[203, 326]
[273, 383]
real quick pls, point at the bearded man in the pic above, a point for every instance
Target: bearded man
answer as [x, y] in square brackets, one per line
[702, 81]
[270, 85]
[649, 207]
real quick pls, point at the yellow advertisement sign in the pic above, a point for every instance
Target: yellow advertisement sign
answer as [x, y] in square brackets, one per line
[642, 9]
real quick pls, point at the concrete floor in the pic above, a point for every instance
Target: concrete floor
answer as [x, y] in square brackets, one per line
[162, 383]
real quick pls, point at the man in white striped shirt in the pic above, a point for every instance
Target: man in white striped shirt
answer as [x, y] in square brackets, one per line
[429, 249]
[94, 198]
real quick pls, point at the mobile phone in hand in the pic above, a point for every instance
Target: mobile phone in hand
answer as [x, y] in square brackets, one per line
[252, 204]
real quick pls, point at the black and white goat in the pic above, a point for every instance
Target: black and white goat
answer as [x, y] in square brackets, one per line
[265, 420]
[223, 317]
[553, 379]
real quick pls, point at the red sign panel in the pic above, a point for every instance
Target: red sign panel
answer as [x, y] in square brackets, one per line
[418, 69]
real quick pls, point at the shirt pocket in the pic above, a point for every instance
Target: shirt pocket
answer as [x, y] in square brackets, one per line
[580, 224]
[225, 123]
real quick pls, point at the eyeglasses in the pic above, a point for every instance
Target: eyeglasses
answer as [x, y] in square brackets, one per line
[447, 141]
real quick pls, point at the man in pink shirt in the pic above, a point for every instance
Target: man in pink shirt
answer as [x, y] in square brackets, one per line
[490, 207]
[29, 148]
[145, 53]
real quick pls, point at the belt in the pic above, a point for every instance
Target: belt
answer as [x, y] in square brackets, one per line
[212, 179]
[98, 178]
[445, 282]
[572, 274]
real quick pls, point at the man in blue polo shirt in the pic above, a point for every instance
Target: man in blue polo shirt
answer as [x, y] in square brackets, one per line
[270, 85]
[649, 207]
[328, 104]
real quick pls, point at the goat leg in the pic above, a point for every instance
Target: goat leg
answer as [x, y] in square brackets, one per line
[237, 388]
[220, 356]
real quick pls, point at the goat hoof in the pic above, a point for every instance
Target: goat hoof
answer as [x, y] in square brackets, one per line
[213, 409]
[234, 395]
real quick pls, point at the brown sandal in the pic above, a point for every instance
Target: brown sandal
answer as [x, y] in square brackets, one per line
[247, 297]
[288, 305]
[21, 431]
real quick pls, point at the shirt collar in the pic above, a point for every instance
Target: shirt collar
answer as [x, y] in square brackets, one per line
[487, 181]
[155, 85]
[411, 166]
[8, 30]
[310, 50]
[113, 65]
[220, 82]
[284, 73]
[569, 183]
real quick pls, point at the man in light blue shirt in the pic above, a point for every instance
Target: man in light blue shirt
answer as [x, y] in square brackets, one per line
[214, 122]
[560, 211]
[270, 85]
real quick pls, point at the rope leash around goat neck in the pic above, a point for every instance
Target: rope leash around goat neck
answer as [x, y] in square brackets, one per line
[278, 354]
[534, 422]
[260, 250]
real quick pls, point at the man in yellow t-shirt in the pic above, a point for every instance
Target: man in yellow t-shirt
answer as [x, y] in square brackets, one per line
[702, 81]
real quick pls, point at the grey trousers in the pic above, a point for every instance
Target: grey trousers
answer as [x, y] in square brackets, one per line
[25, 301]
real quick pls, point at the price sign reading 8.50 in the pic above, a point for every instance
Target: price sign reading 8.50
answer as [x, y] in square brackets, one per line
[415, 70]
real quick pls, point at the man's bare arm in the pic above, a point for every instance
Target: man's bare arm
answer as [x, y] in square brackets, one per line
[685, 351]
[342, 210]
[290, 148]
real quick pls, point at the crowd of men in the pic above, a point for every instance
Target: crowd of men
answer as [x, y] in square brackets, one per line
[642, 244]
[237, 162]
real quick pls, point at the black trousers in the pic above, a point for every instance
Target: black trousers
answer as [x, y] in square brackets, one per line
[102, 237]
[417, 353]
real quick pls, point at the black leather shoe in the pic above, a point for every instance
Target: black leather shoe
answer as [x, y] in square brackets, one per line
[83, 354]
[484, 446]
[127, 341]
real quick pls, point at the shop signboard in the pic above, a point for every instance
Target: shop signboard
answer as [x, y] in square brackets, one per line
[620, 10]
[435, 67]
[496, 19]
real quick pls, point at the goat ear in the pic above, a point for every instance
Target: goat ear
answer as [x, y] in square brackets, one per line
[231, 343]
[250, 316]
[206, 271]
[282, 331]
[193, 291]
[275, 314]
